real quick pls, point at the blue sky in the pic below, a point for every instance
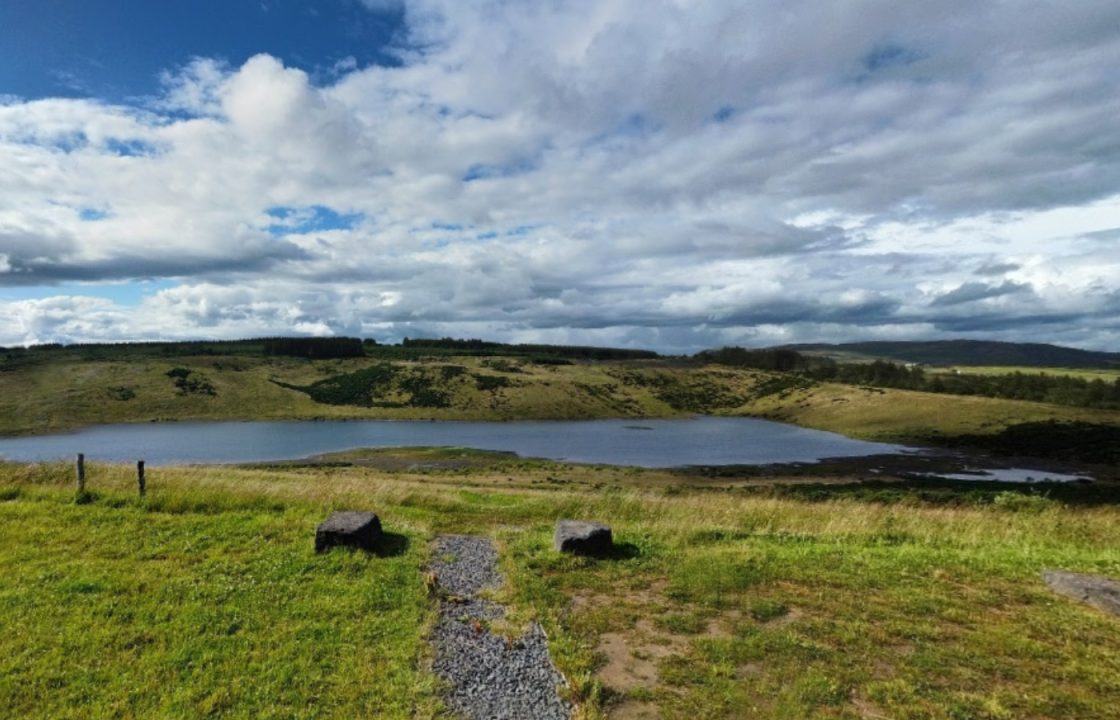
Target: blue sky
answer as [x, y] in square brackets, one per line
[627, 172]
[116, 49]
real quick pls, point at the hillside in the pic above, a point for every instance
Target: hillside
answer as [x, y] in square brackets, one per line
[66, 391]
[966, 352]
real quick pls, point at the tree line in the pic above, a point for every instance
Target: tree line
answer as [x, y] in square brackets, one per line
[1036, 387]
[476, 346]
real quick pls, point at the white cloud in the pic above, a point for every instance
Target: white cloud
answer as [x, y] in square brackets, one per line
[618, 171]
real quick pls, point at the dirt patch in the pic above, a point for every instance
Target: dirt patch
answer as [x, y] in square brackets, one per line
[632, 657]
[717, 629]
[868, 710]
[624, 671]
[634, 710]
[748, 670]
[651, 594]
[791, 616]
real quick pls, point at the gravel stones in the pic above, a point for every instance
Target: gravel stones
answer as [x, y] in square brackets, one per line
[465, 564]
[1101, 592]
[348, 528]
[583, 538]
[488, 676]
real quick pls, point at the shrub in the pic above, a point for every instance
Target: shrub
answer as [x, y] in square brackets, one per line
[490, 383]
[121, 393]
[190, 383]
[356, 388]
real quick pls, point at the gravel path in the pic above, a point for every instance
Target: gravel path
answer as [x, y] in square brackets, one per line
[488, 677]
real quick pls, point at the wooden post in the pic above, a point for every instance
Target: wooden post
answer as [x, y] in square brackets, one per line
[81, 467]
[140, 476]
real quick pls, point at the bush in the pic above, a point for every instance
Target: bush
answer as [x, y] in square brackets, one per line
[366, 387]
[490, 383]
[190, 383]
[121, 393]
[356, 388]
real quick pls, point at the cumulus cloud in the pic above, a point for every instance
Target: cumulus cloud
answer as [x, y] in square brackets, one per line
[648, 173]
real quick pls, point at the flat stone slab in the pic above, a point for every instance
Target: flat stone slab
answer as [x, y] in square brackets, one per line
[580, 537]
[348, 528]
[1101, 592]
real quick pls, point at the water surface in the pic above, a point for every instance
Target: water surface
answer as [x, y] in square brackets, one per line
[1016, 475]
[643, 443]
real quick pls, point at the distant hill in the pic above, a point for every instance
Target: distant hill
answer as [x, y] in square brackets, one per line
[965, 352]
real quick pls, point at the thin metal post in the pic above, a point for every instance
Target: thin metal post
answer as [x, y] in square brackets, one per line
[81, 470]
[140, 476]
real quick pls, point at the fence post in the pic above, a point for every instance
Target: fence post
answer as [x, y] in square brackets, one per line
[81, 469]
[140, 476]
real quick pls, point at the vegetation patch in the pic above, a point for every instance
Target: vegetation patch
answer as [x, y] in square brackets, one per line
[120, 392]
[1057, 388]
[188, 382]
[691, 393]
[382, 385]
[548, 360]
[447, 372]
[781, 385]
[361, 387]
[1068, 441]
[712, 578]
[502, 365]
[422, 391]
[490, 383]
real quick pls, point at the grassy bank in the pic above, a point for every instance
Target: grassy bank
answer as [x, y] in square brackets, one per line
[68, 391]
[723, 601]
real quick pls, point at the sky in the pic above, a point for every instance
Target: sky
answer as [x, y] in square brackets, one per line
[642, 173]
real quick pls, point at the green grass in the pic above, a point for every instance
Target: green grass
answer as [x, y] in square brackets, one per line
[909, 416]
[112, 609]
[207, 600]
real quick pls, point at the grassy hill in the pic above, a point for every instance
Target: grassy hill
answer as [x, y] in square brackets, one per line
[65, 391]
[966, 352]
[206, 599]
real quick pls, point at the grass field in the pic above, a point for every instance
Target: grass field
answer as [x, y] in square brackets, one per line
[206, 599]
[906, 415]
[66, 393]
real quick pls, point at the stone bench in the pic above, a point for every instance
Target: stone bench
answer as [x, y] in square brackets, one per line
[348, 528]
[1101, 592]
[580, 537]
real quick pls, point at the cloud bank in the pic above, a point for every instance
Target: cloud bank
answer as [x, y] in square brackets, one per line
[652, 173]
